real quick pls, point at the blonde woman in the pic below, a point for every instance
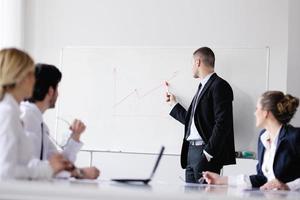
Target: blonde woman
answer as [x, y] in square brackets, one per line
[278, 146]
[16, 83]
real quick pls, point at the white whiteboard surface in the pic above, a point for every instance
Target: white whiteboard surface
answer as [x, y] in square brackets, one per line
[119, 93]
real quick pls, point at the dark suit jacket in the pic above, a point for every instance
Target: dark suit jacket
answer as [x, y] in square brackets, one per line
[213, 120]
[286, 164]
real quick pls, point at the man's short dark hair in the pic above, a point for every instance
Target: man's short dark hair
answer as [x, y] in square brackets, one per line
[207, 55]
[46, 76]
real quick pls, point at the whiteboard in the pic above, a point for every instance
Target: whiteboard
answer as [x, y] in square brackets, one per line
[119, 93]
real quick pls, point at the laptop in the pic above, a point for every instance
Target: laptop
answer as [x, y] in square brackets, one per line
[147, 180]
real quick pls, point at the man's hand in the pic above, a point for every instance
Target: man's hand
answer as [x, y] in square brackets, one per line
[90, 172]
[214, 178]
[59, 163]
[169, 96]
[274, 184]
[77, 129]
[86, 173]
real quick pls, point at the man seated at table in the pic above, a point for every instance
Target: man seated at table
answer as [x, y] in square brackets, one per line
[44, 97]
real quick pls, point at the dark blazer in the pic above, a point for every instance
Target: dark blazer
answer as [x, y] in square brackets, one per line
[286, 164]
[213, 120]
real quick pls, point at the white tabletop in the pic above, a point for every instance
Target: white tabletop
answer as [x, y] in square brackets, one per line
[85, 189]
[104, 189]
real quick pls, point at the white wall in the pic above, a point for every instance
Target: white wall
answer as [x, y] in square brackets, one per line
[12, 23]
[121, 165]
[51, 25]
[1, 22]
[293, 74]
[54, 24]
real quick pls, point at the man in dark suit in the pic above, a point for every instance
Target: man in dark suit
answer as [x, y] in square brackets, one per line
[208, 142]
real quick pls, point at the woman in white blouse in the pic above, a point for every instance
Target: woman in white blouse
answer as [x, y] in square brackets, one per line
[278, 147]
[16, 83]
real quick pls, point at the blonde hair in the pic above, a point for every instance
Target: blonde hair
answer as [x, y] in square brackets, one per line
[14, 66]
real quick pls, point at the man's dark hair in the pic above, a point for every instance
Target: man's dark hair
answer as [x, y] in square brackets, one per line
[207, 56]
[46, 76]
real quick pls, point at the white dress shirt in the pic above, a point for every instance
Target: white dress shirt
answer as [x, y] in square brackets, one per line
[16, 158]
[33, 118]
[294, 185]
[267, 166]
[194, 134]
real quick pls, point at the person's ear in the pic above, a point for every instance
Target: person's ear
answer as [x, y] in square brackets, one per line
[267, 113]
[51, 91]
[198, 62]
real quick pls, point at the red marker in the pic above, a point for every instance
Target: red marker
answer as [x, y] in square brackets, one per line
[167, 87]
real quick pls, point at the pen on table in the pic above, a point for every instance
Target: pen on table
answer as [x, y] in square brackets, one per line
[201, 174]
[201, 179]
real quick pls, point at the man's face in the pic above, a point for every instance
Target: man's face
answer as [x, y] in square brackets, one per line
[53, 98]
[196, 64]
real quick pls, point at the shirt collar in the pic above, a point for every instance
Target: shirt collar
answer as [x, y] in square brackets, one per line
[266, 136]
[206, 78]
[27, 106]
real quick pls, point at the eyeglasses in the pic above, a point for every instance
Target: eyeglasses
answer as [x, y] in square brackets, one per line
[61, 147]
[64, 120]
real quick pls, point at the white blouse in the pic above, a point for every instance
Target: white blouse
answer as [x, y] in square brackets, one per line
[16, 158]
[267, 165]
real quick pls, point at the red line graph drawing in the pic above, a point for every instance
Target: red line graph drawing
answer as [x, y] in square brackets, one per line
[136, 91]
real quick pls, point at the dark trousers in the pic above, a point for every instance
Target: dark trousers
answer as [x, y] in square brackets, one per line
[197, 163]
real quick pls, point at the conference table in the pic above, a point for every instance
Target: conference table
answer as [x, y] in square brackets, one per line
[106, 189]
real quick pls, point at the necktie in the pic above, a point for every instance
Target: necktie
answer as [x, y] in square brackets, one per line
[194, 105]
[42, 142]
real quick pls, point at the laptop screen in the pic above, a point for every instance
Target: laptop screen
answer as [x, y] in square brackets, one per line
[157, 161]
